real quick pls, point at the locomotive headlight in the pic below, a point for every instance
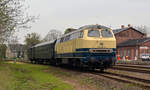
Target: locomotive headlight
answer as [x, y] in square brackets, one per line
[90, 50]
[111, 50]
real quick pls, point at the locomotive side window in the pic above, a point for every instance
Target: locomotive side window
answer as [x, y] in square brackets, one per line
[67, 38]
[81, 34]
[76, 35]
[106, 33]
[62, 39]
[93, 33]
[72, 36]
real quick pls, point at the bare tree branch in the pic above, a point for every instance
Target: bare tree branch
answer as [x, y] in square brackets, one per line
[53, 35]
[12, 18]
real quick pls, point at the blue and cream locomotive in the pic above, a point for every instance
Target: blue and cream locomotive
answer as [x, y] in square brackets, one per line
[91, 46]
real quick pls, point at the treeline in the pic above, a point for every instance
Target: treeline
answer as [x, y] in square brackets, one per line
[3, 51]
[13, 17]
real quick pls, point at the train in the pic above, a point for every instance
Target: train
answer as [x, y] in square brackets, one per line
[90, 46]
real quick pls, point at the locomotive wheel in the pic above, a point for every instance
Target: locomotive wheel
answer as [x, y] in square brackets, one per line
[58, 62]
[101, 70]
[91, 68]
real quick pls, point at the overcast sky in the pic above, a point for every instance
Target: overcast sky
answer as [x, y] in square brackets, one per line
[62, 14]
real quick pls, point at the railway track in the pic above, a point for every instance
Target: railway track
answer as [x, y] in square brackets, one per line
[134, 66]
[139, 82]
[125, 78]
[138, 70]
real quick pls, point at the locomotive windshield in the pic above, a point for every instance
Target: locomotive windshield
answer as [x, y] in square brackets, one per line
[93, 33]
[106, 33]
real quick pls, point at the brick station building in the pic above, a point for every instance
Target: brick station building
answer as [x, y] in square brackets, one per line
[131, 43]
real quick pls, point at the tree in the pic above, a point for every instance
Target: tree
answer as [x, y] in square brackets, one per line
[3, 48]
[12, 18]
[32, 39]
[13, 39]
[52, 35]
[68, 30]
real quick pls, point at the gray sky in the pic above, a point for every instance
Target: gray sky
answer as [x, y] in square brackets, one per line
[62, 14]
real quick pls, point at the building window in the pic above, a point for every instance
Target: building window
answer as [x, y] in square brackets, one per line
[129, 52]
[121, 53]
[124, 52]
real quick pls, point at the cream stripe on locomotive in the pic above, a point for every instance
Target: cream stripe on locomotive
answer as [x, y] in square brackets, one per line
[82, 39]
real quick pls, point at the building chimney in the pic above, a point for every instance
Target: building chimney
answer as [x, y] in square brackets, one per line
[122, 26]
[129, 25]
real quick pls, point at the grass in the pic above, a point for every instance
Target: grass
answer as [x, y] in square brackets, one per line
[29, 77]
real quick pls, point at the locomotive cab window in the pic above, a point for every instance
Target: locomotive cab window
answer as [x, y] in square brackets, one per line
[106, 33]
[93, 33]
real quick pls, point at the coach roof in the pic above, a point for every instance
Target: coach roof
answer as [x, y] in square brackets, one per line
[44, 43]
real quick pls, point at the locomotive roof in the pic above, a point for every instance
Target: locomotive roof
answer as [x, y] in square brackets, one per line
[87, 27]
[93, 27]
[44, 43]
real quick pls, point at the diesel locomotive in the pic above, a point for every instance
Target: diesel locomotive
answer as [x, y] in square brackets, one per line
[91, 46]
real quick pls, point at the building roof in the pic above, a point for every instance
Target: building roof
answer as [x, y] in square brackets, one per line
[126, 28]
[134, 42]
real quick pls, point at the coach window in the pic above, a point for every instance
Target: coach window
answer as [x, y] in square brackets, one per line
[106, 33]
[93, 33]
[128, 52]
[124, 52]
